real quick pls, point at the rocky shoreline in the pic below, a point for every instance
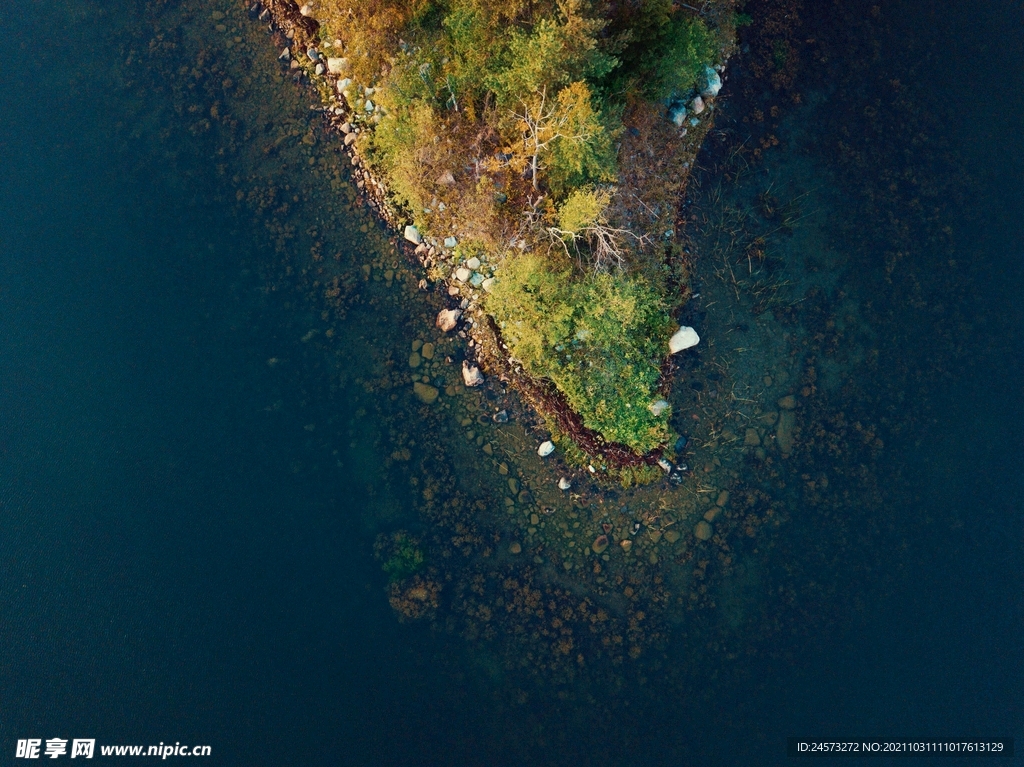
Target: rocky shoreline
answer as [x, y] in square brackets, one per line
[295, 32]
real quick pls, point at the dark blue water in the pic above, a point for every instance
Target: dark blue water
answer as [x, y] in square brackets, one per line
[178, 563]
[180, 560]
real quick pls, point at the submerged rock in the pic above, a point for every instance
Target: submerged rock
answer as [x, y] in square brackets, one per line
[600, 544]
[500, 417]
[426, 393]
[546, 448]
[447, 319]
[683, 338]
[784, 431]
[471, 374]
[564, 483]
[703, 531]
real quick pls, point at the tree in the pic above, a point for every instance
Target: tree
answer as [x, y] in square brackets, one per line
[582, 220]
[565, 136]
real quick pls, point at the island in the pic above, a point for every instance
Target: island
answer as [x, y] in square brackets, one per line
[534, 154]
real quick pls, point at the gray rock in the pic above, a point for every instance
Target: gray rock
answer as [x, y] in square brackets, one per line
[412, 234]
[473, 263]
[447, 319]
[677, 114]
[471, 374]
[712, 83]
[336, 65]
[697, 105]
[450, 242]
[462, 274]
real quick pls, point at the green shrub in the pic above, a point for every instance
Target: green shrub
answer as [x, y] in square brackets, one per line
[600, 339]
[583, 208]
[679, 58]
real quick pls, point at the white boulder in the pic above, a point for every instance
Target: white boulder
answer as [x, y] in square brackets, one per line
[462, 274]
[412, 234]
[564, 483]
[336, 65]
[659, 407]
[683, 338]
[546, 448]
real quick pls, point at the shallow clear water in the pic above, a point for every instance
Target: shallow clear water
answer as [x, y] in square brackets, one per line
[187, 527]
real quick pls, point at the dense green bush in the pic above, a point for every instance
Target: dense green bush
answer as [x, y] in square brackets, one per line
[599, 337]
